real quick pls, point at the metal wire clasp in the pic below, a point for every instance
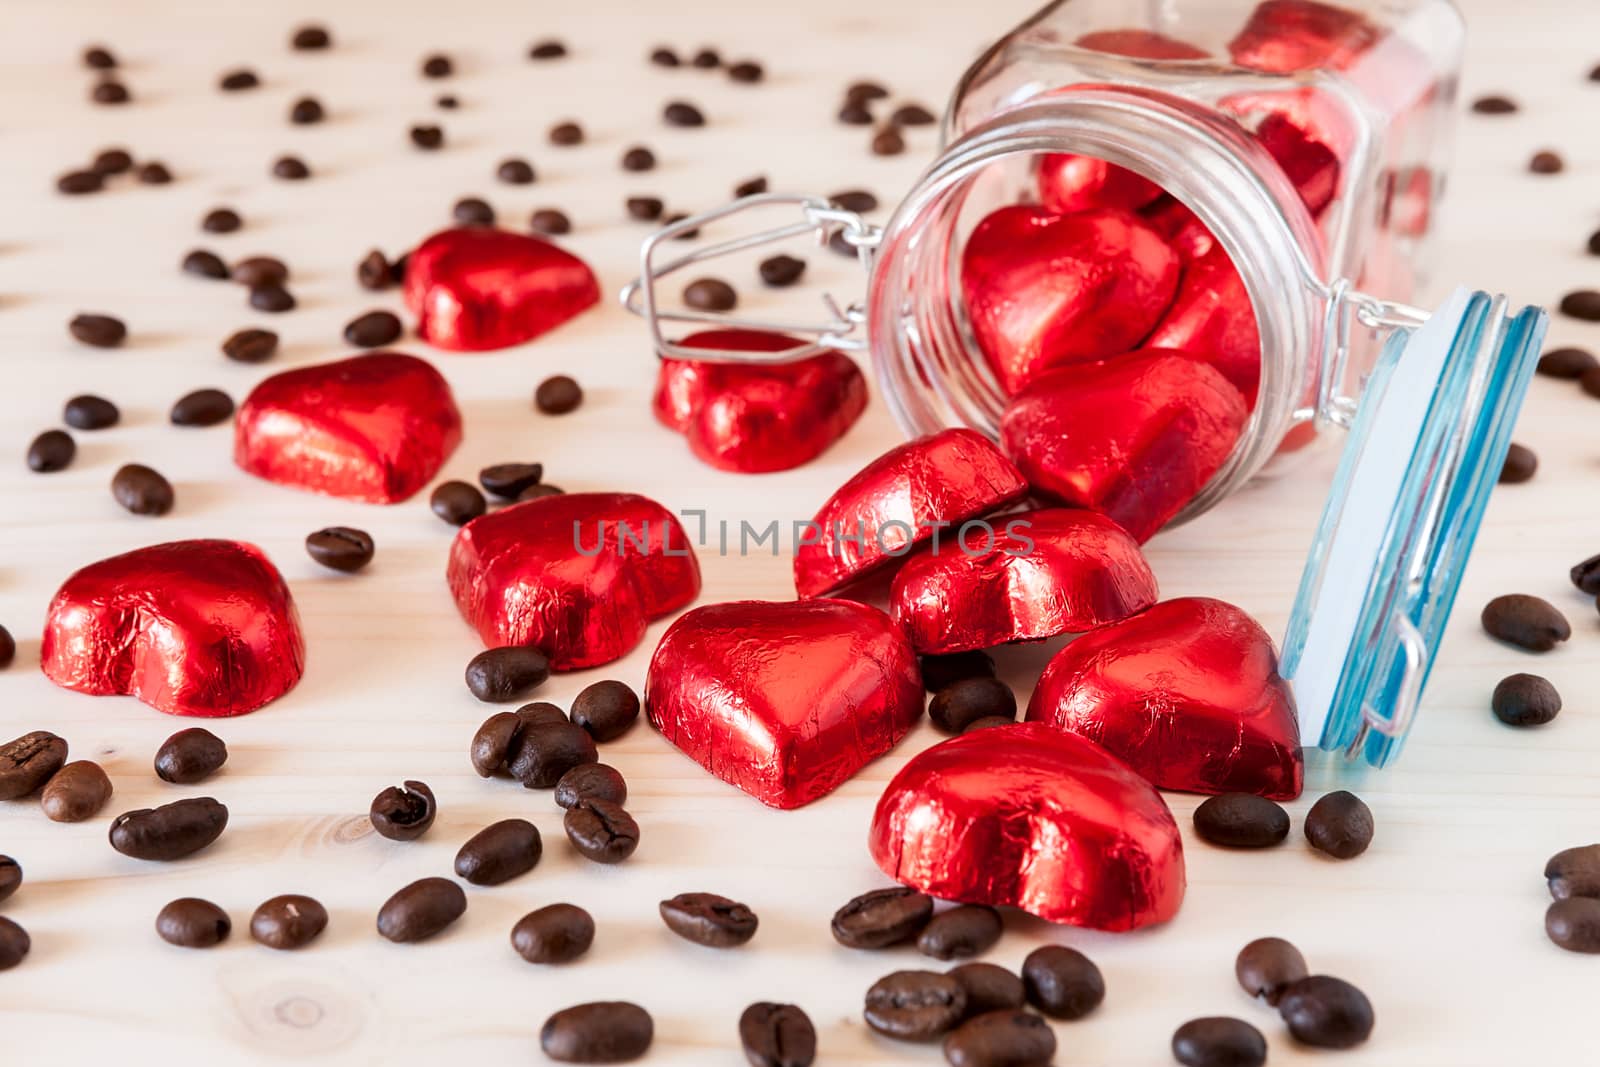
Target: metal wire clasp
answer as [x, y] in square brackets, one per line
[819, 218]
[1347, 307]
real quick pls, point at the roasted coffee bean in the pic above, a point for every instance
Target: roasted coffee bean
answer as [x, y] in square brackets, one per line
[544, 752]
[98, 331]
[99, 58]
[1586, 575]
[190, 922]
[1546, 162]
[864, 91]
[1339, 825]
[1525, 621]
[290, 169]
[1594, 239]
[306, 111]
[1525, 700]
[1572, 872]
[664, 57]
[154, 173]
[1494, 105]
[14, 944]
[203, 264]
[1569, 363]
[685, 235]
[1001, 1039]
[959, 704]
[547, 50]
[777, 1035]
[403, 812]
[855, 114]
[557, 933]
[112, 161]
[612, 1031]
[591, 781]
[203, 407]
[506, 673]
[601, 831]
[939, 672]
[988, 722]
[89, 412]
[706, 59]
[515, 171]
[171, 831]
[1062, 982]
[989, 988]
[111, 92]
[708, 919]
[913, 115]
[746, 72]
[710, 294]
[1267, 966]
[272, 298]
[558, 395]
[1521, 463]
[882, 917]
[8, 648]
[780, 270]
[644, 208]
[638, 159]
[221, 220]
[507, 480]
[250, 346]
[1241, 820]
[190, 756]
[446, 101]
[1218, 1041]
[915, 1005]
[566, 134]
[606, 709]
[374, 271]
[679, 113]
[437, 66]
[10, 876]
[456, 502]
[472, 211]
[550, 222]
[960, 933]
[858, 200]
[260, 272]
[421, 910]
[76, 792]
[500, 852]
[373, 329]
[497, 738]
[28, 763]
[340, 548]
[1326, 1012]
[540, 713]
[142, 490]
[1589, 381]
[1574, 924]
[51, 451]
[310, 39]
[236, 80]
[888, 142]
[539, 492]
[1583, 304]
[288, 922]
[80, 182]
[750, 187]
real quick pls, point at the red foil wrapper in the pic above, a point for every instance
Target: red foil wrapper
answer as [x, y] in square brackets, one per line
[202, 628]
[1044, 290]
[784, 700]
[477, 288]
[1284, 36]
[1035, 574]
[1139, 44]
[752, 417]
[1186, 234]
[897, 502]
[1212, 319]
[1134, 438]
[1081, 183]
[577, 575]
[374, 428]
[1309, 163]
[1187, 693]
[1035, 818]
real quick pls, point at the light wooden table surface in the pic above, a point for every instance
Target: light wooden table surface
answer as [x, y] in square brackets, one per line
[1441, 922]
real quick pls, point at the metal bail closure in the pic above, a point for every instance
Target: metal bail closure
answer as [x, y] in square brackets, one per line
[819, 218]
[1429, 438]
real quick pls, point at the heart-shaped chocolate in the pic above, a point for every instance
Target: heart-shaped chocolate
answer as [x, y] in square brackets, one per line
[1070, 182]
[784, 700]
[1188, 693]
[1043, 290]
[577, 575]
[758, 417]
[203, 628]
[476, 288]
[1034, 818]
[1309, 163]
[1035, 574]
[374, 427]
[1212, 319]
[1139, 44]
[1283, 36]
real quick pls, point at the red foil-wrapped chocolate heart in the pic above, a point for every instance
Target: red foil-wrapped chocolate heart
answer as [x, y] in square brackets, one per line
[476, 288]
[203, 628]
[1139, 44]
[784, 700]
[899, 501]
[1187, 693]
[1283, 36]
[1213, 319]
[757, 417]
[1134, 438]
[1036, 818]
[374, 427]
[577, 575]
[1033, 574]
[1070, 182]
[1043, 290]
[1184, 231]
[1309, 163]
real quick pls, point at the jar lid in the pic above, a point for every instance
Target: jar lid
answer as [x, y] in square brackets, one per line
[1429, 439]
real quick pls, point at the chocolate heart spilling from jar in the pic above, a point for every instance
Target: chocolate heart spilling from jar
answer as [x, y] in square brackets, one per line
[202, 628]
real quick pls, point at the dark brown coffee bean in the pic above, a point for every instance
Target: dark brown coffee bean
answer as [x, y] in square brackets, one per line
[1546, 162]
[1326, 1012]
[499, 852]
[664, 57]
[606, 709]
[1001, 1039]
[645, 208]
[962, 703]
[273, 298]
[746, 72]
[1339, 825]
[234, 81]
[539, 492]
[547, 50]
[203, 264]
[14, 944]
[602, 1032]
[190, 756]
[51, 451]
[1568, 363]
[374, 329]
[437, 66]
[591, 781]
[98, 331]
[290, 169]
[863, 91]
[446, 101]
[708, 919]
[506, 673]
[472, 211]
[507, 480]
[1574, 924]
[1494, 105]
[311, 39]
[1583, 304]
[142, 490]
[76, 792]
[988, 722]
[915, 1005]
[682, 114]
[203, 407]
[421, 910]
[515, 172]
[1594, 244]
[8, 648]
[306, 111]
[10, 876]
[1525, 700]
[99, 58]
[1062, 982]
[494, 742]
[566, 134]
[288, 922]
[171, 831]
[601, 831]
[427, 136]
[540, 713]
[544, 752]
[882, 917]
[28, 763]
[374, 271]
[550, 222]
[110, 92]
[556, 933]
[779, 271]
[855, 114]
[685, 235]
[403, 812]
[913, 115]
[1217, 1041]
[888, 142]
[989, 988]
[558, 395]
[1589, 381]
[1572, 872]
[457, 503]
[190, 922]
[250, 346]
[777, 1035]
[1267, 966]
[1241, 820]
[154, 173]
[112, 161]
[89, 412]
[80, 182]
[1525, 621]
[710, 294]
[1521, 463]
[340, 548]
[261, 272]
[221, 220]
[706, 59]
[750, 187]
[638, 159]
[964, 931]
[940, 672]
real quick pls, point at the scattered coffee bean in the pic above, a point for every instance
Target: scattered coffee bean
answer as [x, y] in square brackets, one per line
[421, 910]
[290, 169]
[1062, 982]
[1339, 825]
[1569, 363]
[374, 272]
[437, 66]
[989, 988]
[746, 72]
[1583, 304]
[882, 917]
[645, 208]
[10, 876]
[76, 792]
[221, 220]
[638, 158]
[472, 211]
[1572, 872]
[539, 492]
[110, 92]
[499, 852]
[1521, 463]
[708, 919]
[171, 831]
[1001, 1039]
[507, 480]
[1574, 924]
[28, 763]
[1525, 621]
[602, 1032]
[591, 781]
[780, 270]
[273, 298]
[556, 933]
[1241, 820]
[506, 673]
[1546, 162]
[154, 173]
[606, 709]
[684, 235]
[566, 134]
[550, 222]
[403, 812]
[1494, 105]
[988, 722]
[190, 756]
[457, 503]
[547, 50]
[913, 115]
[99, 58]
[14, 944]
[306, 111]
[1218, 1041]
[915, 1005]
[142, 490]
[664, 57]
[374, 329]
[288, 922]
[190, 922]
[1525, 700]
[706, 59]
[515, 172]
[51, 451]
[558, 395]
[777, 1035]
[679, 113]
[8, 648]
[1594, 243]
[257, 272]
[544, 752]
[236, 80]
[940, 672]
[1326, 1012]
[112, 161]
[750, 187]
[1267, 966]
[89, 412]
[204, 264]
[310, 39]
[427, 137]
[498, 737]
[960, 933]
[888, 142]
[203, 407]
[855, 114]
[80, 182]
[864, 91]
[710, 294]
[340, 548]
[959, 704]
[601, 831]
[1589, 381]
[250, 346]
[98, 331]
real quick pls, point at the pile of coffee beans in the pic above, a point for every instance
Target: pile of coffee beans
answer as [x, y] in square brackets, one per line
[1573, 921]
[1320, 1011]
